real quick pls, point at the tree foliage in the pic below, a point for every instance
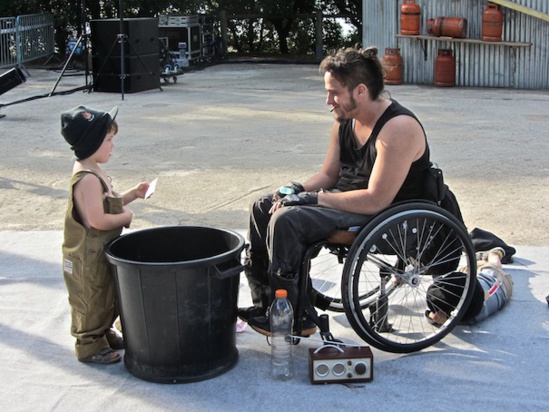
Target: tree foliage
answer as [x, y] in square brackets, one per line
[253, 26]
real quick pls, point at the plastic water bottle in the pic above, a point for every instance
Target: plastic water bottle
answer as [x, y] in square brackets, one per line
[282, 319]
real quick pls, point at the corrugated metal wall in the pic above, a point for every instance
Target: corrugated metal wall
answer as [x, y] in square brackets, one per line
[482, 65]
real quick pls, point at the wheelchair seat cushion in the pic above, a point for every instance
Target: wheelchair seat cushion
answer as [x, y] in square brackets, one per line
[342, 237]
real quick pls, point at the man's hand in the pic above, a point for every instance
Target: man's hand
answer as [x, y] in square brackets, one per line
[303, 198]
[289, 189]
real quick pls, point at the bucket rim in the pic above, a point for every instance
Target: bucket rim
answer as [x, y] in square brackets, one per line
[207, 261]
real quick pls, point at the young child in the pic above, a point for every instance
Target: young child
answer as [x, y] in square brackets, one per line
[95, 215]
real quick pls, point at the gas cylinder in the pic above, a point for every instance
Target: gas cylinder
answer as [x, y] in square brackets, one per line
[445, 68]
[492, 22]
[392, 62]
[447, 26]
[410, 18]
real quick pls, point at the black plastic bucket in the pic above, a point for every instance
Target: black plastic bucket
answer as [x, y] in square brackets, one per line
[178, 296]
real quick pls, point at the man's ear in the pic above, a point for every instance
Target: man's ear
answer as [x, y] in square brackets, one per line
[361, 90]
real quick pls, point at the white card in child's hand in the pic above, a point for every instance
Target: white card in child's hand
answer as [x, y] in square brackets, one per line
[152, 186]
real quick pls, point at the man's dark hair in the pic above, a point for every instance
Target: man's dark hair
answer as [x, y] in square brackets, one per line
[354, 66]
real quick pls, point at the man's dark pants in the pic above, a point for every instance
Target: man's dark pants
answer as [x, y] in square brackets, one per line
[278, 241]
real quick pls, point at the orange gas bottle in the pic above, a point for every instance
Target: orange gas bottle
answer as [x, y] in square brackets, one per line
[392, 62]
[410, 18]
[445, 68]
[492, 22]
[447, 26]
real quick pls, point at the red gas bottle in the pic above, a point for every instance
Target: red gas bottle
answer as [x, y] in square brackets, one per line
[445, 68]
[392, 62]
[447, 26]
[410, 18]
[492, 23]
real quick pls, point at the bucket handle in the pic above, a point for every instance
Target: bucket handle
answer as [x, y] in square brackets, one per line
[226, 273]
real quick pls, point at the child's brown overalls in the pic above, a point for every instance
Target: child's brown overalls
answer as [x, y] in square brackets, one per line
[88, 275]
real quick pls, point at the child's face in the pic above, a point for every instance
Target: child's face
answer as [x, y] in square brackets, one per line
[104, 152]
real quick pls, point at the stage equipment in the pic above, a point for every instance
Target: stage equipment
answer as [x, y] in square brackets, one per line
[125, 57]
[10, 79]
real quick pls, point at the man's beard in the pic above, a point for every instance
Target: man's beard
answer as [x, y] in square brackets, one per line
[345, 109]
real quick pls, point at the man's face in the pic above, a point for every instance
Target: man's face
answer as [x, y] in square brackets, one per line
[338, 96]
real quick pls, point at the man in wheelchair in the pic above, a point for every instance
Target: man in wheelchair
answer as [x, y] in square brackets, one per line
[377, 155]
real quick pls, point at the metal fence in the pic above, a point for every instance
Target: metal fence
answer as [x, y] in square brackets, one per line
[25, 38]
[8, 52]
[477, 64]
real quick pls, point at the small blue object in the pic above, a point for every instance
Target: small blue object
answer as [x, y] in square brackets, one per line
[71, 44]
[285, 190]
[354, 229]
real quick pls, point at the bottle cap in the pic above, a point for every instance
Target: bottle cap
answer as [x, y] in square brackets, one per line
[281, 293]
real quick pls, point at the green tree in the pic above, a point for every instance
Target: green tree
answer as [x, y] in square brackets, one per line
[352, 8]
[282, 15]
[286, 26]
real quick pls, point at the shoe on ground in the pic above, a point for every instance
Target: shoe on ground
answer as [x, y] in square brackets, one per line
[436, 318]
[484, 255]
[106, 356]
[498, 251]
[250, 312]
[261, 324]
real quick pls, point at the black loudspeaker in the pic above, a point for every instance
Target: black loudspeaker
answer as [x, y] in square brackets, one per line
[12, 78]
[141, 73]
[141, 55]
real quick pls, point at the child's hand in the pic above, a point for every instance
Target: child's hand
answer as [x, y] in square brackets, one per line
[141, 190]
[129, 216]
[137, 192]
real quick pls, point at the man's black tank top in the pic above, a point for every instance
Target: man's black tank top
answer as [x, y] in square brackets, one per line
[357, 163]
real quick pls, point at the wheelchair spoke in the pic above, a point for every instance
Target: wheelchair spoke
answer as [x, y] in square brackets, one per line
[325, 273]
[394, 264]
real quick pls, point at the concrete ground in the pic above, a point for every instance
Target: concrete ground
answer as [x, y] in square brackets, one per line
[217, 139]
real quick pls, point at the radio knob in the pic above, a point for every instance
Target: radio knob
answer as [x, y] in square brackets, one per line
[360, 368]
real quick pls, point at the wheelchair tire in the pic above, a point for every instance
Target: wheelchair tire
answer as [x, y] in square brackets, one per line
[396, 257]
[325, 273]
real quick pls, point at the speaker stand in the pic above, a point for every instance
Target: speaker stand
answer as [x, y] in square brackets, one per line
[55, 56]
[122, 39]
[67, 64]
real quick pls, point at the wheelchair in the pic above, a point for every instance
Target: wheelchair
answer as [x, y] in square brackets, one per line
[381, 278]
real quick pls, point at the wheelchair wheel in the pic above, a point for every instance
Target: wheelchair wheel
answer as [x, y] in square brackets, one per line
[325, 271]
[394, 262]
